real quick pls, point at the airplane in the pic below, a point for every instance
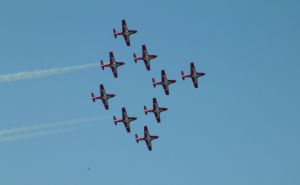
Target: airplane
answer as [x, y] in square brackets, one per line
[103, 96]
[194, 75]
[147, 138]
[125, 119]
[146, 57]
[125, 32]
[164, 82]
[113, 64]
[156, 110]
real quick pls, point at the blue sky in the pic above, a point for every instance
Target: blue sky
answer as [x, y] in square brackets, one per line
[240, 127]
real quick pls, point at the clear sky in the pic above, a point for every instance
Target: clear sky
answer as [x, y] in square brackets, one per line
[241, 127]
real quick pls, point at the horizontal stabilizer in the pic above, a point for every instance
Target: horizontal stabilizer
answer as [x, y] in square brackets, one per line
[145, 110]
[115, 120]
[115, 33]
[136, 138]
[134, 58]
[102, 64]
[153, 82]
[93, 97]
[182, 75]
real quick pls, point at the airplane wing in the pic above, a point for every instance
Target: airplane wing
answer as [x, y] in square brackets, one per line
[111, 57]
[114, 71]
[163, 75]
[166, 88]
[149, 145]
[193, 70]
[127, 40]
[124, 113]
[164, 78]
[147, 64]
[157, 116]
[155, 105]
[102, 90]
[105, 103]
[124, 26]
[127, 127]
[144, 49]
[146, 132]
[195, 82]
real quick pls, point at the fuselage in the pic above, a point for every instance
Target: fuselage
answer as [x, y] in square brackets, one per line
[128, 32]
[127, 119]
[106, 96]
[147, 58]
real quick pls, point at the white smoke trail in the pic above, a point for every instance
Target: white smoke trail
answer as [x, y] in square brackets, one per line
[47, 126]
[32, 135]
[43, 73]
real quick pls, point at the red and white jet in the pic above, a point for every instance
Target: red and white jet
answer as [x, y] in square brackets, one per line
[125, 32]
[113, 64]
[194, 75]
[103, 96]
[125, 119]
[146, 57]
[164, 82]
[156, 110]
[147, 138]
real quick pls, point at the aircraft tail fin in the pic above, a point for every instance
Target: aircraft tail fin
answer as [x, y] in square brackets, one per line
[136, 138]
[145, 110]
[115, 33]
[102, 64]
[93, 97]
[153, 82]
[182, 75]
[134, 58]
[115, 120]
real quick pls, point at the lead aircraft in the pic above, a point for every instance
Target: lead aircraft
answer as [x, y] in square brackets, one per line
[156, 110]
[103, 96]
[194, 75]
[113, 64]
[164, 82]
[125, 32]
[146, 57]
[147, 138]
[125, 119]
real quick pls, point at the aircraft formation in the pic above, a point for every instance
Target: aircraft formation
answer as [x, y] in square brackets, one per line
[165, 83]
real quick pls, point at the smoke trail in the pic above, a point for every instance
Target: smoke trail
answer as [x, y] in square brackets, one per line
[32, 135]
[43, 73]
[47, 126]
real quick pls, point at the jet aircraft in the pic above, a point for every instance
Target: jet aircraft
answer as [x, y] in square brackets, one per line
[194, 75]
[164, 82]
[147, 138]
[146, 57]
[103, 96]
[113, 64]
[125, 119]
[156, 110]
[125, 32]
